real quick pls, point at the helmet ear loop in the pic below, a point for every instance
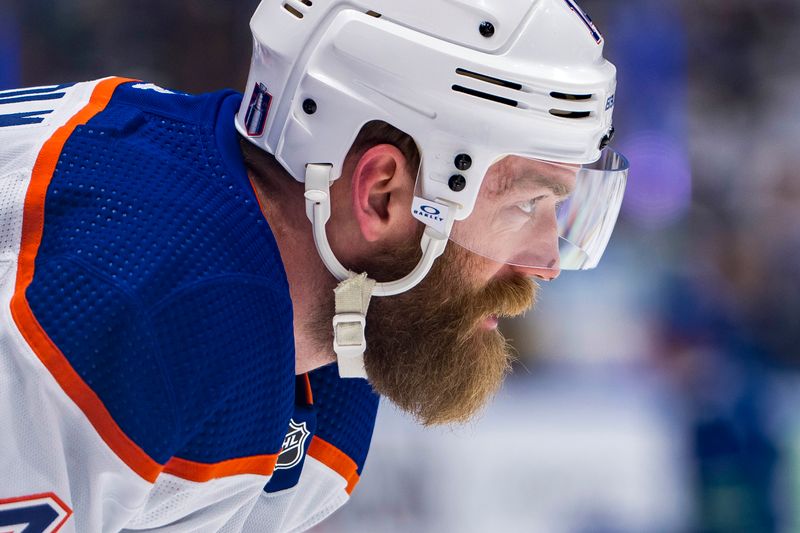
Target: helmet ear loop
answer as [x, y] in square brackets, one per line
[318, 210]
[353, 294]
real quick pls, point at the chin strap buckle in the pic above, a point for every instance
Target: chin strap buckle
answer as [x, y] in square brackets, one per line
[349, 323]
[349, 344]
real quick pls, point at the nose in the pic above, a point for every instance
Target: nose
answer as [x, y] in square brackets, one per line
[544, 253]
[544, 273]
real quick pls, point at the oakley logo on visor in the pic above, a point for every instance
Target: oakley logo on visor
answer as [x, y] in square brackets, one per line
[431, 214]
[431, 211]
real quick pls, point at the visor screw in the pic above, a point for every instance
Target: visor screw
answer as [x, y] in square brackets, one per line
[309, 106]
[486, 28]
[463, 162]
[457, 183]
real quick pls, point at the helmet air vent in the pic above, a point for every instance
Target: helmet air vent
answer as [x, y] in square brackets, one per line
[489, 79]
[497, 82]
[297, 7]
[486, 96]
[570, 97]
[570, 114]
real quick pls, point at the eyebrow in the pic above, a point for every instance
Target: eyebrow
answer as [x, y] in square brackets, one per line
[558, 189]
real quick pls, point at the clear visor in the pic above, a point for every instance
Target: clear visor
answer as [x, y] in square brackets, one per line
[545, 216]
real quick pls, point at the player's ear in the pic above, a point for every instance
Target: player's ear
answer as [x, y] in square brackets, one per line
[382, 193]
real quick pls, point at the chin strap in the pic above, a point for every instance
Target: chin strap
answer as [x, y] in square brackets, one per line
[349, 322]
[354, 293]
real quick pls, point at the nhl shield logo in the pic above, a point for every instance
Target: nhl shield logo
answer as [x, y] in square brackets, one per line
[293, 446]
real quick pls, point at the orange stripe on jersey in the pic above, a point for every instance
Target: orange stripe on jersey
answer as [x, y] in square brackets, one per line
[32, 228]
[309, 393]
[262, 465]
[335, 459]
[50, 355]
[44, 348]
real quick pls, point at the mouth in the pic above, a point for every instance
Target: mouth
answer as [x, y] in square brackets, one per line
[490, 322]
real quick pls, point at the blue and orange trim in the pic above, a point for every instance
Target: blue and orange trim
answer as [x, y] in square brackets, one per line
[335, 459]
[65, 509]
[52, 357]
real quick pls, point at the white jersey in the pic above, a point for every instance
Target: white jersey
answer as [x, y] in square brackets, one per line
[146, 340]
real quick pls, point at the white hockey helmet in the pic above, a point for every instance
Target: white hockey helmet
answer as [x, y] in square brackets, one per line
[509, 101]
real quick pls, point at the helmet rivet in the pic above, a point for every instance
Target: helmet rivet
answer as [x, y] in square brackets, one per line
[463, 162]
[309, 106]
[457, 183]
[486, 28]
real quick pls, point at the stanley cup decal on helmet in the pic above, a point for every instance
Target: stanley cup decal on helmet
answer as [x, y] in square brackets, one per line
[255, 119]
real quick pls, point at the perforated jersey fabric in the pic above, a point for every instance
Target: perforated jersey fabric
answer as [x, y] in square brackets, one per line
[160, 281]
[146, 338]
[346, 411]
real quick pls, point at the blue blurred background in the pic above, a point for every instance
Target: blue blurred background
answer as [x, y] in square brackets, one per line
[656, 393]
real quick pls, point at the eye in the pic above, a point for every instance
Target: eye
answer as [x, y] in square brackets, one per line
[529, 206]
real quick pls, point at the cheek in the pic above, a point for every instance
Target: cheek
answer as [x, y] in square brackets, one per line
[493, 270]
[478, 272]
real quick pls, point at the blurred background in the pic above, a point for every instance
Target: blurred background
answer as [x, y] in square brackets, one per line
[656, 393]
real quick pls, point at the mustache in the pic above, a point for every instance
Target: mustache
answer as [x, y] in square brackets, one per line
[507, 297]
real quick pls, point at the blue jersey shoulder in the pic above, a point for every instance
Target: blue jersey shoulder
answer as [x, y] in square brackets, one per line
[161, 282]
[346, 411]
[341, 412]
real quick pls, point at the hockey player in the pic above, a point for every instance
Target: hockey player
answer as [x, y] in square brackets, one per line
[178, 273]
